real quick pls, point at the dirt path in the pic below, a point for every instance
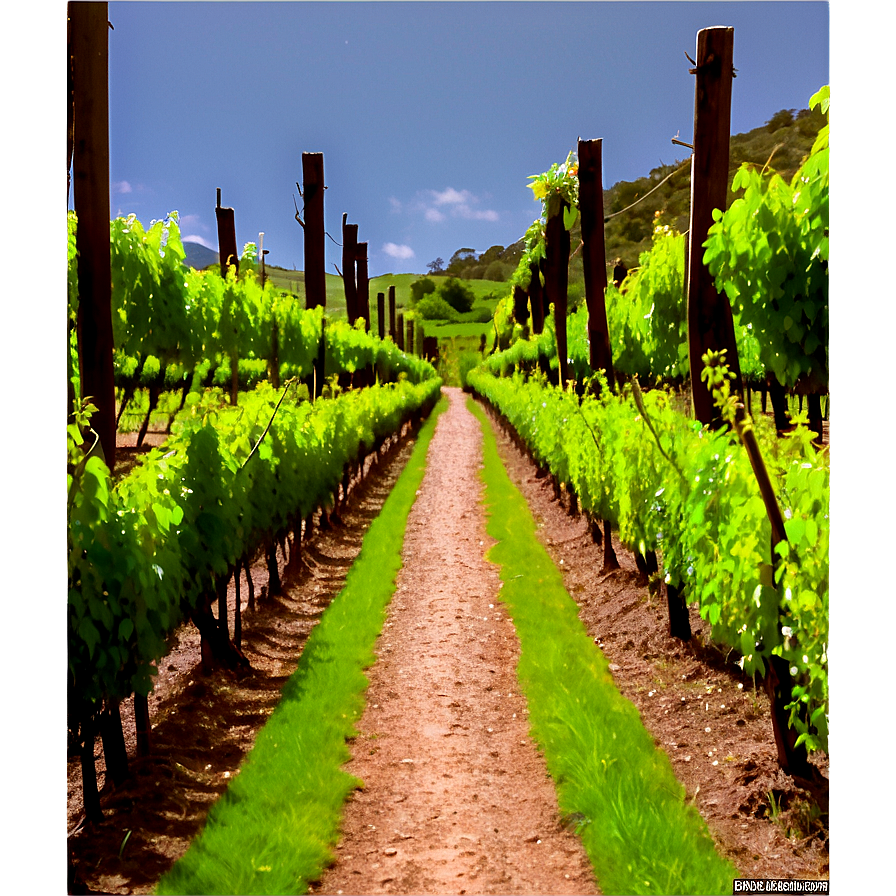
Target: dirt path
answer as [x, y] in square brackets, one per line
[471, 820]
[456, 797]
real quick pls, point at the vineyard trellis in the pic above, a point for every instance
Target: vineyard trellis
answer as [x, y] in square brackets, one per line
[782, 232]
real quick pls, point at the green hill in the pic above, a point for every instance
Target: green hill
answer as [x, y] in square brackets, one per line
[781, 143]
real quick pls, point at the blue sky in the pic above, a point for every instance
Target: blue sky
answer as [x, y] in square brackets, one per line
[430, 116]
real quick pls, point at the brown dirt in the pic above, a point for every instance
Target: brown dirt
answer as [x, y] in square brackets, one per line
[712, 721]
[456, 797]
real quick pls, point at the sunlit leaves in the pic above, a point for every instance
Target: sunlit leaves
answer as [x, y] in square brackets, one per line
[768, 253]
[708, 520]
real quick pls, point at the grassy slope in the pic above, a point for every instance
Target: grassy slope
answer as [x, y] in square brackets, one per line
[273, 829]
[639, 831]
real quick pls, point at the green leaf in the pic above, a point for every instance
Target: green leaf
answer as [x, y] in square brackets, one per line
[89, 634]
[795, 528]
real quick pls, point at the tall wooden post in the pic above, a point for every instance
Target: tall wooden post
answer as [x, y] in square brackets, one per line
[381, 314]
[520, 306]
[399, 332]
[89, 60]
[315, 257]
[536, 300]
[349, 267]
[392, 312]
[594, 261]
[409, 342]
[228, 256]
[710, 323]
[227, 253]
[363, 309]
[556, 281]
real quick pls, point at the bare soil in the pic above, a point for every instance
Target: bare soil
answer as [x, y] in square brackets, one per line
[456, 797]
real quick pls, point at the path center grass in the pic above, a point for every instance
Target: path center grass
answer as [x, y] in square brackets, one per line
[630, 810]
[274, 828]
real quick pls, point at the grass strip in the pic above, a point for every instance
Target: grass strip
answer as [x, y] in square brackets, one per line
[273, 829]
[630, 810]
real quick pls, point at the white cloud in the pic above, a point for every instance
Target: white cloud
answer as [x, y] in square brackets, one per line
[457, 203]
[393, 250]
[395, 203]
[122, 186]
[193, 238]
[451, 196]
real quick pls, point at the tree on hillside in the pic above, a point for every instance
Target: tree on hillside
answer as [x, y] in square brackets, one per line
[782, 119]
[436, 265]
[420, 288]
[457, 294]
[460, 260]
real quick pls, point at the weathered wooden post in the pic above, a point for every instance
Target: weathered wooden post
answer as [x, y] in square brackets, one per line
[228, 256]
[363, 308]
[536, 299]
[710, 323]
[409, 342]
[520, 306]
[594, 262]
[392, 312]
[89, 58]
[349, 268]
[315, 256]
[399, 332]
[556, 281]
[227, 253]
[381, 314]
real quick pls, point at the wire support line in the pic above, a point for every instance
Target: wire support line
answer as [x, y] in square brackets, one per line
[653, 190]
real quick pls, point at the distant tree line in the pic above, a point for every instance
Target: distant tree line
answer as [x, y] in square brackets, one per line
[781, 143]
[496, 263]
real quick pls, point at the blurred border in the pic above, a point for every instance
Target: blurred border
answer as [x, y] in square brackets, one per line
[32, 447]
[863, 459]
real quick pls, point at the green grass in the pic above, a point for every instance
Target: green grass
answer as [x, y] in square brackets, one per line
[487, 293]
[631, 812]
[274, 828]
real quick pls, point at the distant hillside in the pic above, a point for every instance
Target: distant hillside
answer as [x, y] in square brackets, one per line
[782, 142]
[199, 256]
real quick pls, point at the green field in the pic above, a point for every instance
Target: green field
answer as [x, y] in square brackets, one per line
[456, 339]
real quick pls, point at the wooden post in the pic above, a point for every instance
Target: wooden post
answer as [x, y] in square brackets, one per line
[710, 324]
[392, 312]
[320, 365]
[520, 306]
[556, 282]
[399, 332]
[363, 285]
[349, 267]
[89, 59]
[536, 300]
[227, 253]
[591, 209]
[409, 342]
[228, 256]
[381, 314]
[315, 256]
